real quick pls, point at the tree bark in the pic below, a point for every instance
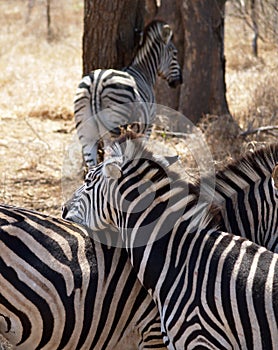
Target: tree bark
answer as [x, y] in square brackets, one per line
[204, 90]
[111, 30]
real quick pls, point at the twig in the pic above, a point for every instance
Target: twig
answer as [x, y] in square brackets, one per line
[171, 133]
[260, 129]
[35, 132]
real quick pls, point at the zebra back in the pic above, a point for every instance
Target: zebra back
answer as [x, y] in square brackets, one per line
[213, 289]
[246, 191]
[60, 289]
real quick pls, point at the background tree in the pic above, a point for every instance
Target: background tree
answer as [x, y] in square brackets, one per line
[261, 16]
[48, 20]
[111, 31]
[111, 34]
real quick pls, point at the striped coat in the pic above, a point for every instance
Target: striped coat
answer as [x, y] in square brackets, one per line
[214, 290]
[60, 289]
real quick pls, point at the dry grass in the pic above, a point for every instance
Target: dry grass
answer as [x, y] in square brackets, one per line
[39, 75]
[37, 89]
[39, 80]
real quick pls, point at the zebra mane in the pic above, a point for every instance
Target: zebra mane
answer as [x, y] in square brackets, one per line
[252, 167]
[255, 167]
[129, 146]
[132, 146]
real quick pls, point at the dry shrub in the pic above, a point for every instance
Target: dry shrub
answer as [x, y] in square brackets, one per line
[222, 135]
[229, 137]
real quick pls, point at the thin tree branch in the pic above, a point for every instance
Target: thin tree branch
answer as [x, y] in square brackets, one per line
[260, 129]
[171, 133]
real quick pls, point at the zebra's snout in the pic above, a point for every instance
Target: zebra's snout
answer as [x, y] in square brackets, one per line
[173, 83]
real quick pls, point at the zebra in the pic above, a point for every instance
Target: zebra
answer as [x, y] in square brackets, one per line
[107, 99]
[60, 289]
[213, 289]
[246, 191]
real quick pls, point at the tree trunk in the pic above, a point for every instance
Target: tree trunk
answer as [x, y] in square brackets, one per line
[111, 31]
[204, 90]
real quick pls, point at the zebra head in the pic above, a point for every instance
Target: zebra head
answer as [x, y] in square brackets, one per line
[89, 204]
[96, 202]
[169, 68]
[159, 53]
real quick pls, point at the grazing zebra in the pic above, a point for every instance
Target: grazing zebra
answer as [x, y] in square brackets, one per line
[107, 99]
[213, 290]
[61, 290]
[246, 191]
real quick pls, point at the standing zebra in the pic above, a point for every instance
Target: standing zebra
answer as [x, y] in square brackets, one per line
[246, 191]
[107, 99]
[214, 290]
[61, 290]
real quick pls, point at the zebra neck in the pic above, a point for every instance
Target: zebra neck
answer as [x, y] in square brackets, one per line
[145, 64]
[142, 75]
[162, 225]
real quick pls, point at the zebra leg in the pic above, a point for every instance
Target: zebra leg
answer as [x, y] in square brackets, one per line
[88, 133]
[90, 152]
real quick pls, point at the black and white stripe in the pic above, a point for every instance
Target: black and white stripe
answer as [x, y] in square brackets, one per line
[107, 99]
[246, 193]
[214, 290]
[59, 289]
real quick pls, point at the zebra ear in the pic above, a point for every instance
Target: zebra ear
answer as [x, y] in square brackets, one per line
[112, 170]
[166, 33]
[275, 176]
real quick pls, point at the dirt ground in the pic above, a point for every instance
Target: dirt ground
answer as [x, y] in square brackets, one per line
[31, 159]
